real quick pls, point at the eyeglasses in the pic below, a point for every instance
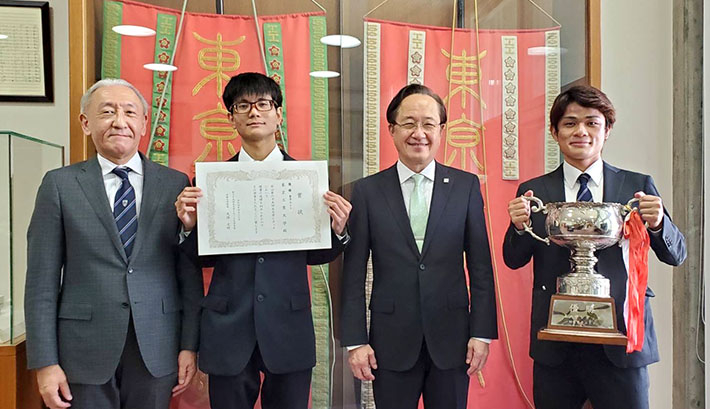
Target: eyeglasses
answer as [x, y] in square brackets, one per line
[427, 127]
[261, 105]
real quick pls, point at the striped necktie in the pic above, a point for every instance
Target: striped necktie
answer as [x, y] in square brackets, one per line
[584, 194]
[124, 210]
[418, 212]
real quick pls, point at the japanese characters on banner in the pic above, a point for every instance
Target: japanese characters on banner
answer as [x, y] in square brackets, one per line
[212, 48]
[498, 87]
[188, 120]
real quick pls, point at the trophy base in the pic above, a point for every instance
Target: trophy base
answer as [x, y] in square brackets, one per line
[583, 337]
[583, 319]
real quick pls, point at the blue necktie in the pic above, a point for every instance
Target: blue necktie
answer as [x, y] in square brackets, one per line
[124, 211]
[584, 194]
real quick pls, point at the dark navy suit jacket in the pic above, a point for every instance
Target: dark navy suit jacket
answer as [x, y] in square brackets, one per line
[258, 298]
[418, 297]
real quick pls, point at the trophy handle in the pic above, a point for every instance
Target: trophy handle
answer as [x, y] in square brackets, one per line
[535, 207]
[627, 209]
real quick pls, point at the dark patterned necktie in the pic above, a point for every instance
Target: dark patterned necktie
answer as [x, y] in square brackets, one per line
[124, 211]
[584, 194]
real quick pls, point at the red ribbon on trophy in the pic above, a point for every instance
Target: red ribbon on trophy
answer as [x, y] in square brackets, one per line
[638, 245]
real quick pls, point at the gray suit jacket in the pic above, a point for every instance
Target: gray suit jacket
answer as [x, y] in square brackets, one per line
[81, 288]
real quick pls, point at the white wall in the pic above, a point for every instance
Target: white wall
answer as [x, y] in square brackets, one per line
[47, 120]
[637, 76]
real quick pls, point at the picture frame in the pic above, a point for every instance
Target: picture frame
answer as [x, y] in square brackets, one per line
[25, 52]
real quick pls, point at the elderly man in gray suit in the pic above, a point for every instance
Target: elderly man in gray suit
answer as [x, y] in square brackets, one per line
[112, 310]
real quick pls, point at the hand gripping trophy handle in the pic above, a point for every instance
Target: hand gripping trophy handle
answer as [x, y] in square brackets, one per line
[535, 207]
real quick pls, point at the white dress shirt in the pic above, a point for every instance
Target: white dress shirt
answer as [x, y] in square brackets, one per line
[112, 182]
[595, 184]
[274, 156]
[406, 182]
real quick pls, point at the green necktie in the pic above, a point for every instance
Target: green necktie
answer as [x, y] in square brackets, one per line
[418, 212]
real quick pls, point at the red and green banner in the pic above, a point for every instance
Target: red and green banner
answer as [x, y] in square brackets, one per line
[189, 120]
[211, 49]
[497, 86]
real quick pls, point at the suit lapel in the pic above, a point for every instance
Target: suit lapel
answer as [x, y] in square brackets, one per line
[92, 184]
[613, 181]
[439, 198]
[554, 186]
[152, 193]
[392, 192]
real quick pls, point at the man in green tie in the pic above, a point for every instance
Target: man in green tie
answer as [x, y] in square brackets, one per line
[418, 218]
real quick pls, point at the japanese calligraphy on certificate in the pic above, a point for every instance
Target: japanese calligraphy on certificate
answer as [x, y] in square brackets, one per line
[254, 207]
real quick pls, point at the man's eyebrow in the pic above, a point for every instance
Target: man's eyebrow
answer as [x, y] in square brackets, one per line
[114, 104]
[575, 117]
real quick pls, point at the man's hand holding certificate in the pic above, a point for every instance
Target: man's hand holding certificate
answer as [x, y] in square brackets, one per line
[262, 207]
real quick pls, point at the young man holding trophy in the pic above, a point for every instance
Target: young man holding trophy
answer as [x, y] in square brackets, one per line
[579, 335]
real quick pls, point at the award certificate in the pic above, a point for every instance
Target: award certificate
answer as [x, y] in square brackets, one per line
[254, 207]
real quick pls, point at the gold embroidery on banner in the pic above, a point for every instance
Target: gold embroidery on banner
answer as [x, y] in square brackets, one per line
[415, 62]
[552, 89]
[463, 135]
[509, 108]
[463, 71]
[371, 94]
[216, 128]
[224, 59]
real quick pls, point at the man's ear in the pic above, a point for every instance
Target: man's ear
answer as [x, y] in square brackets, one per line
[145, 124]
[553, 132]
[390, 127]
[84, 124]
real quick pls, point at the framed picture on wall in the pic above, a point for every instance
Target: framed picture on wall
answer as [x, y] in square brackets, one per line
[25, 52]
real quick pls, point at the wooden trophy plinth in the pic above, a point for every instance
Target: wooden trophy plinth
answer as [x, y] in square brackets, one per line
[583, 319]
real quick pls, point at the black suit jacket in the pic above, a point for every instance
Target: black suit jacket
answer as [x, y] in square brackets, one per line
[417, 297]
[258, 298]
[553, 261]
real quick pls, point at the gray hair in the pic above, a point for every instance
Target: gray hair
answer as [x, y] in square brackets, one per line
[106, 82]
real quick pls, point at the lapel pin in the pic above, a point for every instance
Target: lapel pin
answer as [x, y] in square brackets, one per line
[124, 202]
[446, 180]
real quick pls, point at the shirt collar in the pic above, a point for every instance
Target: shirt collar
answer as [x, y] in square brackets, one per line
[274, 156]
[595, 172]
[135, 163]
[405, 173]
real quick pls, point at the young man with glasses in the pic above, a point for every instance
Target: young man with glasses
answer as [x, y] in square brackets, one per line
[256, 317]
[418, 218]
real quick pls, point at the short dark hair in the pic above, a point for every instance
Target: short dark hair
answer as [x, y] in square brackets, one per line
[587, 97]
[251, 83]
[412, 89]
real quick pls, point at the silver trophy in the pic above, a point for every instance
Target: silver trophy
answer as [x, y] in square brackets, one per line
[582, 310]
